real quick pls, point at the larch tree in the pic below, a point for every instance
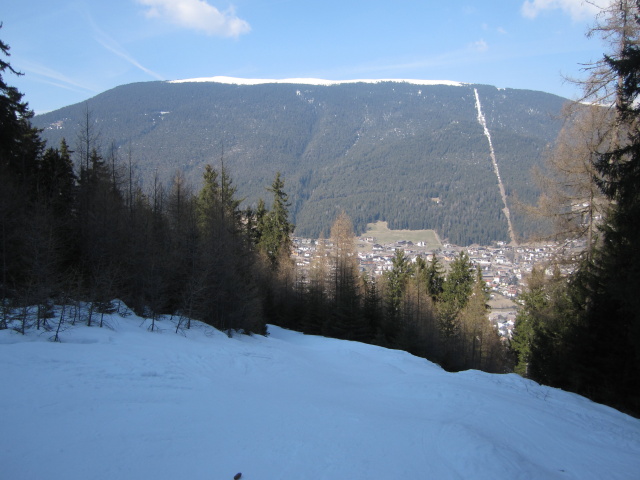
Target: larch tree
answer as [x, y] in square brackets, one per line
[317, 289]
[418, 332]
[478, 334]
[87, 139]
[346, 320]
[571, 200]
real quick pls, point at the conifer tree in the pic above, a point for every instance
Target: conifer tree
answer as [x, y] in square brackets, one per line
[20, 149]
[397, 279]
[209, 206]
[459, 282]
[229, 298]
[56, 179]
[20, 143]
[183, 243]
[456, 291]
[275, 227]
[254, 223]
[544, 337]
[434, 277]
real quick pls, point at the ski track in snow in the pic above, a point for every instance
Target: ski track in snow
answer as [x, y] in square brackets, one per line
[122, 402]
[483, 122]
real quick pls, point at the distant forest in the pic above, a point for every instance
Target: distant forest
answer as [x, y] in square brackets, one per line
[377, 151]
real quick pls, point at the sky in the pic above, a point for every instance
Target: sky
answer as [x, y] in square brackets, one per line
[72, 50]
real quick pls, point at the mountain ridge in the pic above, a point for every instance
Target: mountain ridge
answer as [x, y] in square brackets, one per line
[378, 151]
[310, 81]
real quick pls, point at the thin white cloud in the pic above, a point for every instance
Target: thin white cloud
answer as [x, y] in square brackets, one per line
[53, 77]
[479, 46]
[197, 15]
[124, 55]
[114, 47]
[577, 9]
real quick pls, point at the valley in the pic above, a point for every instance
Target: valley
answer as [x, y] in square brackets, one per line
[504, 267]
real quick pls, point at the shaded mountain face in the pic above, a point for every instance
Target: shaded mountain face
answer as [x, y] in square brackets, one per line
[413, 155]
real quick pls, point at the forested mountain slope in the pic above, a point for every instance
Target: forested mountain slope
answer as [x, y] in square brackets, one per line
[413, 155]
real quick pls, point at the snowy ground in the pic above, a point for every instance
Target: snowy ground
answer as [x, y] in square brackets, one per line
[126, 403]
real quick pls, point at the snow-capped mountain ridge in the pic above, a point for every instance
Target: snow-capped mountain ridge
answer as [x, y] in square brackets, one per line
[312, 81]
[311, 133]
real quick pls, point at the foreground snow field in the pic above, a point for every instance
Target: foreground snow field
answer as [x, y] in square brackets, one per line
[126, 403]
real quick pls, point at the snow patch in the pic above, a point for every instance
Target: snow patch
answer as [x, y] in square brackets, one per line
[311, 81]
[124, 402]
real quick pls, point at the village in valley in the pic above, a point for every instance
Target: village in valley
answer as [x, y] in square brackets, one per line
[504, 267]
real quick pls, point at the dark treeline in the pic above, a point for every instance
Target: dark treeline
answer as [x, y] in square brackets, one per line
[75, 225]
[86, 230]
[581, 332]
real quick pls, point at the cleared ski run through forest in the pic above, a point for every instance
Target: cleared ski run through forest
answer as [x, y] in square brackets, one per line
[503, 194]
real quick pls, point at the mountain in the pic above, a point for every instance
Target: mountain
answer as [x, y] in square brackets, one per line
[124, 402]
[413, 153]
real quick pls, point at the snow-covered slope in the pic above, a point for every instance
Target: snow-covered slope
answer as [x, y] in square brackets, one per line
[126, 403]
[311, 81]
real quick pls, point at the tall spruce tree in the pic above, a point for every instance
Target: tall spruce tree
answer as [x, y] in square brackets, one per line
[275, 227]
[544, 329]
[228, 296]
[20, 143]
[456, 291]
[434, 277]
[396, 283]
[20, 149]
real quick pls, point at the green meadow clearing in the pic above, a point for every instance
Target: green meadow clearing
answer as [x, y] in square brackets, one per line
[383, 235]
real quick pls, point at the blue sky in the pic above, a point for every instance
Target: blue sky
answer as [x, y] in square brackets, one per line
[71, 50]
